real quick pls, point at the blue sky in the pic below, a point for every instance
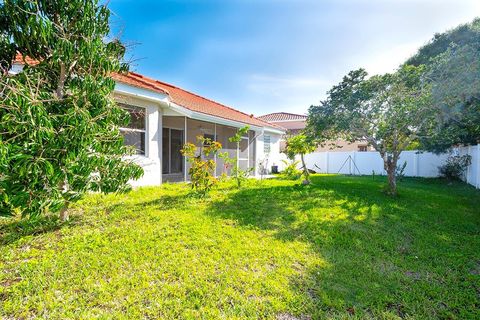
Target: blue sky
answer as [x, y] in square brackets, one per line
[263, 56]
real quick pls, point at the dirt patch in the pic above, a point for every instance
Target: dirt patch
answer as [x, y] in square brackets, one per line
[413, 275]
[9, 282]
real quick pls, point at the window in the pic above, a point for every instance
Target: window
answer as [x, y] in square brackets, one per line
[134, 134]
[209, 136]
[266, 144]
[362, 148]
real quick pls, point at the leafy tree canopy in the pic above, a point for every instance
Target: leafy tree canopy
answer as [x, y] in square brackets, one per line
[389, 111]
[59, 124]
[465, 34]
[452, 61]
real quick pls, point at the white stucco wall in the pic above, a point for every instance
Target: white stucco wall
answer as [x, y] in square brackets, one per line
[151, 161]
[274, 158]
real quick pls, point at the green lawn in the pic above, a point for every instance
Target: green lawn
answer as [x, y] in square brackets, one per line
[276, 250]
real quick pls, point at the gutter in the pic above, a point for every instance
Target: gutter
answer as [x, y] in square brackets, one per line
[165, 100]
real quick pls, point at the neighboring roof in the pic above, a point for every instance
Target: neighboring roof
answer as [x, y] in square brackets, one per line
[181, 97]
[283, 116]
[293, 125]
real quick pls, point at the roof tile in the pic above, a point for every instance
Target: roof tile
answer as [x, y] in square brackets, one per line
[282, 116]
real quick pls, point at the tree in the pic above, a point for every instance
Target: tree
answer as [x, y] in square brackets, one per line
[452, 61]
[300, 145]
[59, 123]
[388, 111]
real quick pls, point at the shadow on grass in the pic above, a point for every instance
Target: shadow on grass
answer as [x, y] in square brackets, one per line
[11, 232]
[366, 237]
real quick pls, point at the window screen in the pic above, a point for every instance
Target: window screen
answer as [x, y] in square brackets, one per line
[134, 133]
[266, 144]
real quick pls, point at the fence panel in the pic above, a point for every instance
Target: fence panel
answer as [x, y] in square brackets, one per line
[472, 176]
[418, 164]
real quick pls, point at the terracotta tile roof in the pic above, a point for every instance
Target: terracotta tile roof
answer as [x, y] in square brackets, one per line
[192, 101]
[282, 116]
[138, 81]
[181, 97]
[20, 59]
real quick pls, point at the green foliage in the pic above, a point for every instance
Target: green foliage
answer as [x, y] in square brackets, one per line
[441, 42]
[239, 175]
[452, 62]
[297, 145]
[455, 167]
[388, 111]
[59, 123]
[300, 145]
[270, 251]
[290, 171]
[400, 171]
[201, 170]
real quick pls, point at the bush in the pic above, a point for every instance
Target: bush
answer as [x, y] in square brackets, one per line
[302, 145]
[201, 170]
[455, 166]
[291, 172]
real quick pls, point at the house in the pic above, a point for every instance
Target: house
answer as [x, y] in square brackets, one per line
[164, 117]
[295, 123]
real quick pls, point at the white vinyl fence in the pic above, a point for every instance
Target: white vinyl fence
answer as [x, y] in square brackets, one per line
[472, 176]
[419, 164]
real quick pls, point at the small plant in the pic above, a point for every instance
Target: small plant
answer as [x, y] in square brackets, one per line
[400, 171]
[262, 168]
[201, 170]
[238, 174]
[301, 145]
[291, 172]
[455, 167]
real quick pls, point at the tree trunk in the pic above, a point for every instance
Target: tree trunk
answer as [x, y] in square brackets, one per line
[392, 182]
[390, 165]
[306, 174]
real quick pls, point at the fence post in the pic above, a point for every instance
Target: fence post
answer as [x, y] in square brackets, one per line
[478, 167]
[469, 152]
[350, 164]
[355, 162]
[326, 161]
[415, 164]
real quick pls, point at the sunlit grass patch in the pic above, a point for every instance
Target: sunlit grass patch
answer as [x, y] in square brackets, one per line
[273, 249]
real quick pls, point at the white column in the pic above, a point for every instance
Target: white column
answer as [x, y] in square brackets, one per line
[185, 158]
[160, 141]
[215, 155]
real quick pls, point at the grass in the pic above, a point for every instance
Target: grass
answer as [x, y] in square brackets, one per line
[276, 250]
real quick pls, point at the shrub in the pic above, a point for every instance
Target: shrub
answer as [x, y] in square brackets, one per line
[291, 172]
[201, 170]
[302, 145]
[455, 166]
[59, 122]
[400, 171]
